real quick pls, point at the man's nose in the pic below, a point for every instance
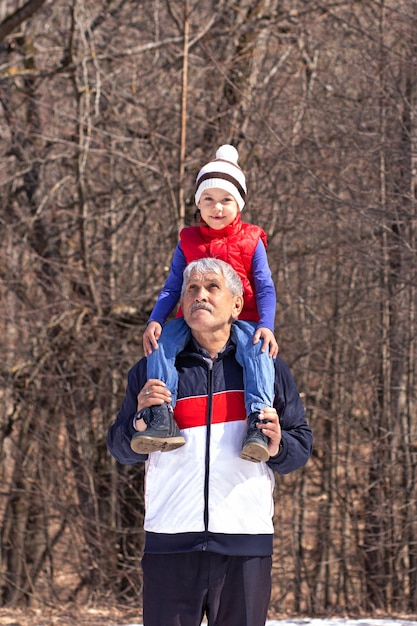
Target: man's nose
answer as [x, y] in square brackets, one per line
[201, 294]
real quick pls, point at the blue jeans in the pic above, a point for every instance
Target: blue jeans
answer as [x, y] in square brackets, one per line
[258, 367]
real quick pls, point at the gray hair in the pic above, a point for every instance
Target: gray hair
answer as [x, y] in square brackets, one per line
[221, 268]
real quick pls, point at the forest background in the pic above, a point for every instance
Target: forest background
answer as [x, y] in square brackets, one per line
[108, 108]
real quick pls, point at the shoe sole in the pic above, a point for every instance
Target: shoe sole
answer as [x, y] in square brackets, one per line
[146, 445]
[254, 452]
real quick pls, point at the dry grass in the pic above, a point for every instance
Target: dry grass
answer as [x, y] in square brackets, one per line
[71, 616]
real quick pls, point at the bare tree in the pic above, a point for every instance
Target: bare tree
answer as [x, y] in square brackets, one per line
[107, 111]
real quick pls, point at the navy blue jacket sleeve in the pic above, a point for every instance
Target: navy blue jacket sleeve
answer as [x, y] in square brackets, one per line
[120, 433]
[297, 439]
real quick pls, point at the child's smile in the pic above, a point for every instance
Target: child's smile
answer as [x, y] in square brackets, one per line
[218, 208]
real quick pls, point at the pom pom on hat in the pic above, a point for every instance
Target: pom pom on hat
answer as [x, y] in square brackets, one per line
[228, 153]
[223, 173]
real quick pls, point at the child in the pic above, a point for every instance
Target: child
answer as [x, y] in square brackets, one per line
[220, 197]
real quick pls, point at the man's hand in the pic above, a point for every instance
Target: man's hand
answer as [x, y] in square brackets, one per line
[153, 392]
[271, 429]
[150, 337]
[268, 339]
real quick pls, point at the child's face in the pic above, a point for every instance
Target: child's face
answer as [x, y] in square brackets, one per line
[218, 208]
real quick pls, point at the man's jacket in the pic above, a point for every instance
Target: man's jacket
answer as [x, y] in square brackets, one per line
[202, 496]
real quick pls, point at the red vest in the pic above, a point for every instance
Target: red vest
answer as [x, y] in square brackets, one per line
[234, 244]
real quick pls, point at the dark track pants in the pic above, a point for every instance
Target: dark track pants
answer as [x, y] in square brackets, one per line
[179, 589]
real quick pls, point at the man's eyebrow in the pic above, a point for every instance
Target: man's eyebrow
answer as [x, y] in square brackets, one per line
[211, 281]
[206, 280]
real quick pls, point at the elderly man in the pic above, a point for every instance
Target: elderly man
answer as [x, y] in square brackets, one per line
[208, 517]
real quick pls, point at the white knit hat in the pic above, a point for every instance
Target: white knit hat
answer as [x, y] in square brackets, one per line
[223, 173]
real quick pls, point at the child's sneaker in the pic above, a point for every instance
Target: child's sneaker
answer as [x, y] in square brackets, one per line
[162, 432]
[255, 443]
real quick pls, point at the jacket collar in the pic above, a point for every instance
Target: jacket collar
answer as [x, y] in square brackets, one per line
[232, 229]
[193, 347]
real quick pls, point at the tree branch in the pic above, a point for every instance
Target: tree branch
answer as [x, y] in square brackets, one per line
[18, 17]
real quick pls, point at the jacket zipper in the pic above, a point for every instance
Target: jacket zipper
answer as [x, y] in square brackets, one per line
[207, 458]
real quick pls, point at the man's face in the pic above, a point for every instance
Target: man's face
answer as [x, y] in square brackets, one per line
[207, 303]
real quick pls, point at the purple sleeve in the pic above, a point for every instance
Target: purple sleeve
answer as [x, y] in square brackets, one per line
[266, 298]
[171, 291]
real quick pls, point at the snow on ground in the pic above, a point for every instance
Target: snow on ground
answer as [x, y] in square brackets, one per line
[342, 622]
[334, 622]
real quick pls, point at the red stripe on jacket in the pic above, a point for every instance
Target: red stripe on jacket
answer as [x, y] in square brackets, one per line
[228, 406]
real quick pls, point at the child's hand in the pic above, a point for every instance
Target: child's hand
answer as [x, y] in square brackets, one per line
[150, 337]
[268, 339]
